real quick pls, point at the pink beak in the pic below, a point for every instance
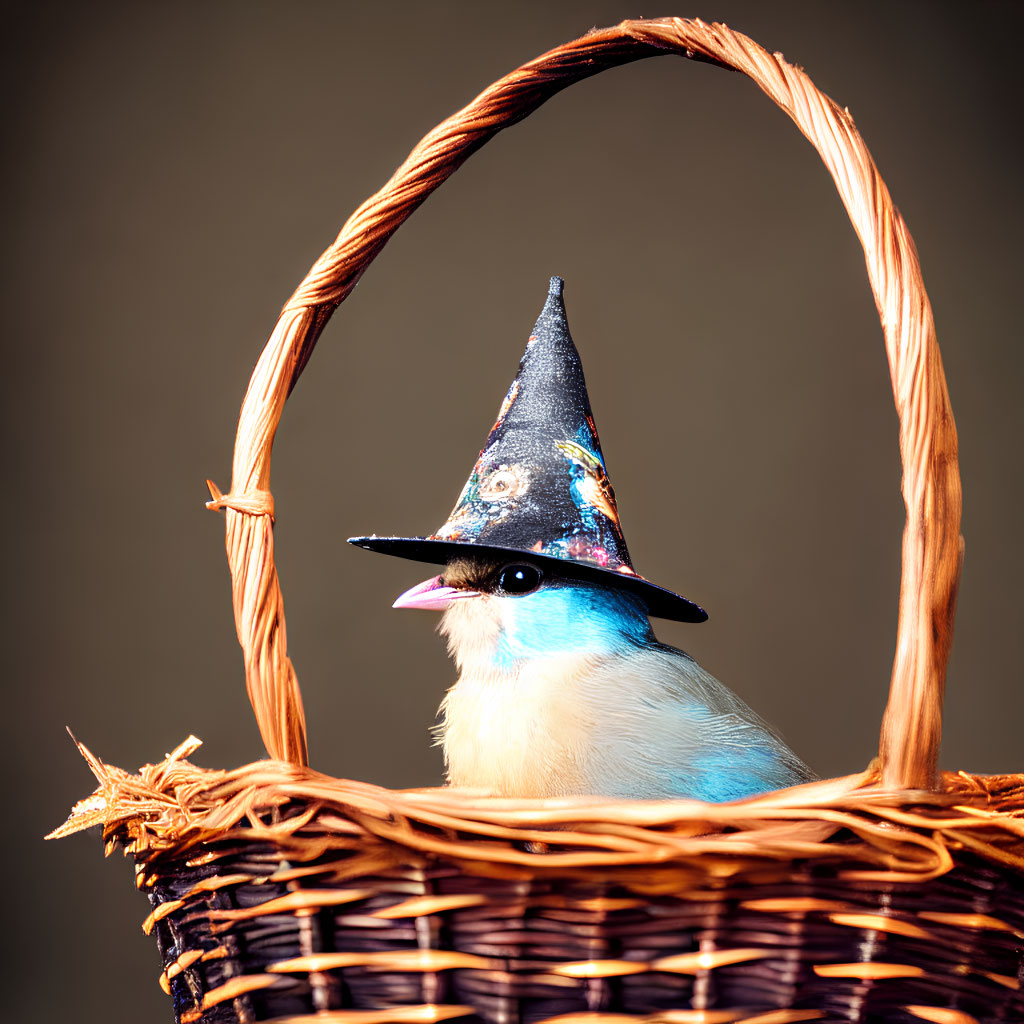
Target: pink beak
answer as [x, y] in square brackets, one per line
[432, 594]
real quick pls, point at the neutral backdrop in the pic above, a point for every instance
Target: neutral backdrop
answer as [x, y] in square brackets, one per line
[171, 170]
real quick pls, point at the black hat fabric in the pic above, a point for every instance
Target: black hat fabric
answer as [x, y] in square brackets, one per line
[539, 487]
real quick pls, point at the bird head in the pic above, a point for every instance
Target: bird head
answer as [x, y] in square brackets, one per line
[500, 612]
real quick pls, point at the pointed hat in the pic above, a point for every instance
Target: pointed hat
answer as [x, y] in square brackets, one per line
[539, 487]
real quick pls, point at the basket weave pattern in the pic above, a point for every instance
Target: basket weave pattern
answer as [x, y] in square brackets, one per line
[280, 894]
[891, 895]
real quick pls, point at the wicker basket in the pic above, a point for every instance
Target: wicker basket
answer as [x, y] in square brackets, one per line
[890, 895]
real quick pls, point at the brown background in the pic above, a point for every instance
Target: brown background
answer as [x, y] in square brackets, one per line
[172, 170]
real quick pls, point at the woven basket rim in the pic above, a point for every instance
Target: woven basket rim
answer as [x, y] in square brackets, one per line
[174, 806]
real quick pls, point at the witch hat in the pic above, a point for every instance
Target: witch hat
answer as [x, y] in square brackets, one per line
[539, 487]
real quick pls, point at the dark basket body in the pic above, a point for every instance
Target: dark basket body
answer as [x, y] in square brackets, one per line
[428, 941]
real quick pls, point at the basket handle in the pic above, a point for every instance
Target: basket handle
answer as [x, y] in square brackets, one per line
[932, 546]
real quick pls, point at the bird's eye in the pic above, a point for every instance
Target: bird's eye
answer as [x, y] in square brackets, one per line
[519, 579]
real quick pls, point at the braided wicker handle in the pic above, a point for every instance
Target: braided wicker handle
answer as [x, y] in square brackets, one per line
[932, 547]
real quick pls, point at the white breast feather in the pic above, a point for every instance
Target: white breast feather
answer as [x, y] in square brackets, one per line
[521, 732]
[576, 723]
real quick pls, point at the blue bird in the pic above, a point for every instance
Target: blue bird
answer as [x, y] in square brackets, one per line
[563, 689]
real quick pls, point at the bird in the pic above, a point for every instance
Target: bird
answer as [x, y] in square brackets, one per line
[563, 688]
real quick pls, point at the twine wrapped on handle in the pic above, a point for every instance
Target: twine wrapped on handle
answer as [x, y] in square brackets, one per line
[932, 547]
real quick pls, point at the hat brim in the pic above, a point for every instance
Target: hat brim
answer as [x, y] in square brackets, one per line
[661, 603]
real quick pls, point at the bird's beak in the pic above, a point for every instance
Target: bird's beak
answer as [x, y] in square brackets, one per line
[432, 594]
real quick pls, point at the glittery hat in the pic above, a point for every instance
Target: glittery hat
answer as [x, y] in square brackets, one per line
[539, 487]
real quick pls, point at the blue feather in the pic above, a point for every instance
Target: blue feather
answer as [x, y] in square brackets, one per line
[568, 620]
